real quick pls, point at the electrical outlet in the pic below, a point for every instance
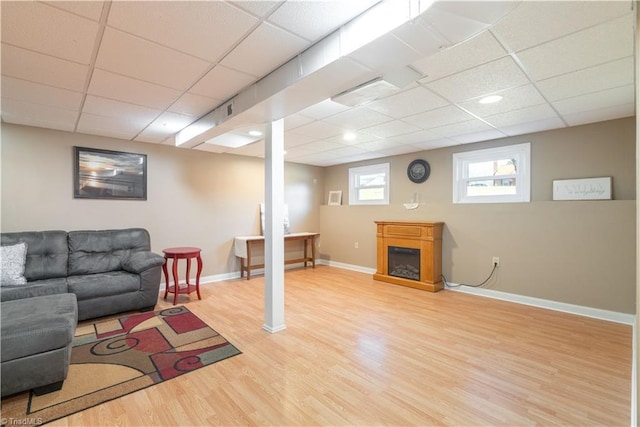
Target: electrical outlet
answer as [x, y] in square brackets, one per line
[355, 245]
[496, 261]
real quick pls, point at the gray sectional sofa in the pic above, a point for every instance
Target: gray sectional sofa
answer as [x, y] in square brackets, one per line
[71, 276]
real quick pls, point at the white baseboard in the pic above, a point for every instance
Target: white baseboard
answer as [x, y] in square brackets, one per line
[346, 266]
[612, 316]
[596, 313]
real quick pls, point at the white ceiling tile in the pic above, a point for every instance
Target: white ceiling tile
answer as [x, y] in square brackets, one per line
[44, 69]
[390, 129]
[423, 40]
[533, 126]
[88, 9]
[513, 99]
[165, 24]
[191, 104]
[127, 89]
[35, 93]
[42, 28]
[377, 145]
[385, 53]
[255, 55]
[399, 149]
[114, 127]
[536, 22]
[471, 53]
[438, 117]
[358, 138]
[141, 116]
[529, 114]
[315, 19]
[592, 79]
[255, 149]
[460, 20]
[408, 103]
[358, 118]
[211, 148]
[292, 139]
[596, 100]
[222, 83]
[414, 138]
[457, 129]
[597, 45]
[318, 130]
[484, 79]
[320, 146]
[340, 153]
[168, 124]
[435, 143]
[477, 136]
[606, 113]
[38, 115]
[323, 109]
[148, 61]
[259, 8]
[295, 120]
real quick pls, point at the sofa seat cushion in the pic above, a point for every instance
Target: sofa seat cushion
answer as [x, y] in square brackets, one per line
[36, 288]
[99, 285]
[36, 325]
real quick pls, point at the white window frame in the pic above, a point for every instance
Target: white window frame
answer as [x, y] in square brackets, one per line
[520, 152]
[355, 173]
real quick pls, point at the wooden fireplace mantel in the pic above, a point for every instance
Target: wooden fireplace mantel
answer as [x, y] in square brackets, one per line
[425, 236]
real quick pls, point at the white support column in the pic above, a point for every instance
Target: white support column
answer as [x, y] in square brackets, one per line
[274, 228]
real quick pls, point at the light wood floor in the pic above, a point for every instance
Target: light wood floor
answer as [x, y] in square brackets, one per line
[361, 352]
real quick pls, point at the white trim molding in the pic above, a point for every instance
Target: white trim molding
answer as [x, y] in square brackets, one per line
[580, 310]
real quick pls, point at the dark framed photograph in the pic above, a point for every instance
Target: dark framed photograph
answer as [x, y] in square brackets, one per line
[106, 174]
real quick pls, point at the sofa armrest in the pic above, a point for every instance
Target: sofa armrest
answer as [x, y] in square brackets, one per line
[142, 261]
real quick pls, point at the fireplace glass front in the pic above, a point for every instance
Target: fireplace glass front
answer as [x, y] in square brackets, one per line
[404, 262]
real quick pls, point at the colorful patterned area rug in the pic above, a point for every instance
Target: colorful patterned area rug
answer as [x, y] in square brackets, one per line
[113, 358]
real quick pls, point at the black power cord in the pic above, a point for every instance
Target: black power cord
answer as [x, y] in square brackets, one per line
[448, 285]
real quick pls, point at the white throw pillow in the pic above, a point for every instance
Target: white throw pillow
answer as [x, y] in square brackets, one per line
[12, 262]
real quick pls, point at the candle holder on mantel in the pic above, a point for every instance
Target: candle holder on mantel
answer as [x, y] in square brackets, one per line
[414, 203]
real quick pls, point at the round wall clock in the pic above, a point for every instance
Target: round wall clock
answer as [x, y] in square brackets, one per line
[418, 171]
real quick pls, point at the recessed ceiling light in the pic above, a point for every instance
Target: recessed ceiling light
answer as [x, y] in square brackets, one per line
[349, 136]
[490, 99]
[255, 133]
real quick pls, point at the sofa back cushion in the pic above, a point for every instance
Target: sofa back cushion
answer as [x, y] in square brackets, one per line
[101, 251]
[47, 253]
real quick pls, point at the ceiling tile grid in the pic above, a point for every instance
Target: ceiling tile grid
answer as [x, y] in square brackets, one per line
[144, 70]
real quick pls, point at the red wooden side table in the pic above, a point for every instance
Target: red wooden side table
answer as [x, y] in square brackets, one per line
[181, 253]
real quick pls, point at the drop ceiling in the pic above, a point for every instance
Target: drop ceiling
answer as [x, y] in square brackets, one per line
[144, 71]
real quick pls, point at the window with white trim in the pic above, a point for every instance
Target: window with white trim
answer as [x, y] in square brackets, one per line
[493, 175]
[369, 185]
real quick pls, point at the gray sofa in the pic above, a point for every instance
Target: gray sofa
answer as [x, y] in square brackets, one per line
[71, 276]
[109, 271]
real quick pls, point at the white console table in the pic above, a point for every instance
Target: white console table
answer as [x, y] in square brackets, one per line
[243, 246]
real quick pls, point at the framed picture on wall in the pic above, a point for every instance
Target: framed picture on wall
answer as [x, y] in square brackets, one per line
[335, 198]
[106, 174]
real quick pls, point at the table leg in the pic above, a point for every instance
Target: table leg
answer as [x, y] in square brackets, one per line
[199, 259]
[176, 288]
[188, 271]
[248, 260]
[241, 267]
[313, 251]
[306, 256]
[166, 277]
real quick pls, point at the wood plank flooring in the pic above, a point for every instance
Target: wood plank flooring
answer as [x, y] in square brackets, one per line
[361, 352]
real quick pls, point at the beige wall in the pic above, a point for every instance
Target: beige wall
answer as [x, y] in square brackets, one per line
[578, 252]
[194, 198]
